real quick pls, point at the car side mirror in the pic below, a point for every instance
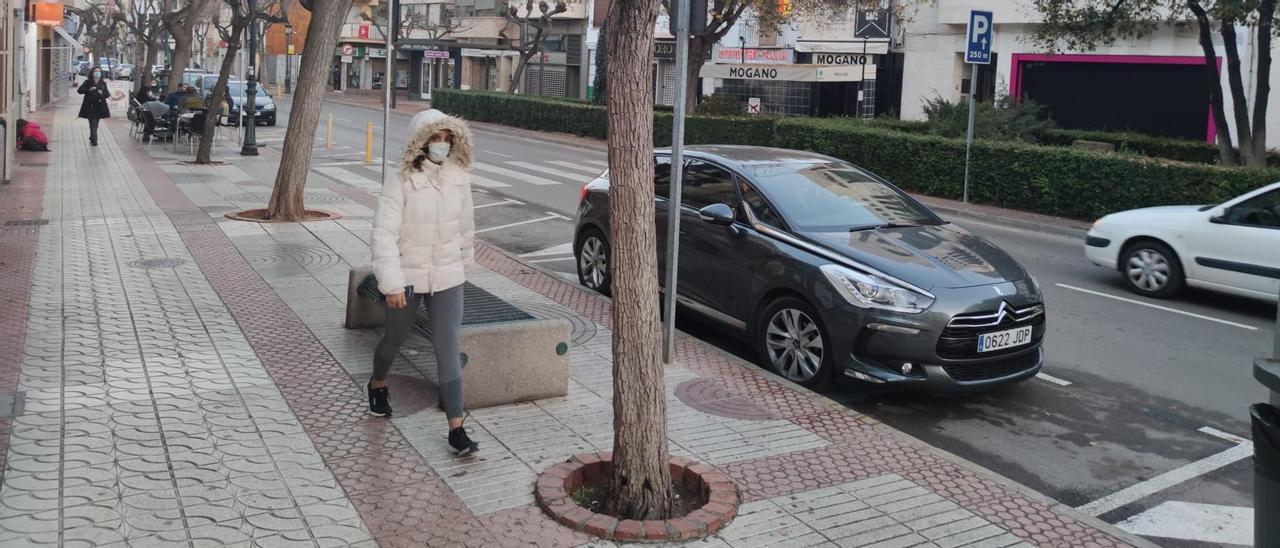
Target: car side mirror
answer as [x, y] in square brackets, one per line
[717, 214]
[1218, 217]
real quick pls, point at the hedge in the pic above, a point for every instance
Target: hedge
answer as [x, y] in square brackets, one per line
[1053, 180]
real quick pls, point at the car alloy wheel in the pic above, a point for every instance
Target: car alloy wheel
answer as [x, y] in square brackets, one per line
[794, 345]
[593, 262]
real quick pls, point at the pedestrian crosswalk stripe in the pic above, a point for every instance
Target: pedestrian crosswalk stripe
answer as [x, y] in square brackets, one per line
[482, 182]
[554, 172]
[588, 169]
[346, 176]
[516, 175]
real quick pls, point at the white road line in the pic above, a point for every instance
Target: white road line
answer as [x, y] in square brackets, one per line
[1052, 379]
[516, 175]
[1158, 307]
[530, 221]
[555, 260]
[350, 163]
[1141, 490]
[592, 169]
[482, 182]
[561, 249]
[347, 177]
[554, 172]
[1211, 523]
[498, 154]
[507, 201]
[1222, 435]
[346, 120]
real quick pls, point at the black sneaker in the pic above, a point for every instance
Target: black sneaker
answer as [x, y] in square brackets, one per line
[460, 444]
[378, 401]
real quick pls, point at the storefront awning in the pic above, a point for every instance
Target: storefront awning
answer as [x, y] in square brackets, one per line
[790, 73]
[872, 47]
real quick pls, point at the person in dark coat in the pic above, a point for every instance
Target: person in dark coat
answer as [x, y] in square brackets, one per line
[94, 108]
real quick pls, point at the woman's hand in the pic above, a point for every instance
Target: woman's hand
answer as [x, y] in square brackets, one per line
[397, 301]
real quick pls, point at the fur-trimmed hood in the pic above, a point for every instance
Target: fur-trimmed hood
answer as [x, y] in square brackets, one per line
[426, 123]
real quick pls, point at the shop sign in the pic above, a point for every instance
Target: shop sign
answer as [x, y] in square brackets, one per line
[664, 50]
[363, 31]
[377, 53]
[435, 54]
[839, 59]
[755, 56]
[48, 14]
[790, 73]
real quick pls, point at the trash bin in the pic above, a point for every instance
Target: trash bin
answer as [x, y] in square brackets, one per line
[1266, 474]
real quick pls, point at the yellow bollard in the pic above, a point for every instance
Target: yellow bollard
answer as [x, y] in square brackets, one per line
[368, 143]
[328, 134]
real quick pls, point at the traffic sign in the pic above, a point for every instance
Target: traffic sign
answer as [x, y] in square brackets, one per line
[348, 50]
[978, 38]
[753, 105]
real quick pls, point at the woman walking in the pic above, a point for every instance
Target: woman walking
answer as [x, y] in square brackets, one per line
[94, 107]
[423, 236]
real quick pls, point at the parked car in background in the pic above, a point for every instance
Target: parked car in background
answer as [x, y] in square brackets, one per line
[125, 72]
[83, 67]
[108, 66]
[264, 106]
[205, 82]
[1232, 247]
[831, 272]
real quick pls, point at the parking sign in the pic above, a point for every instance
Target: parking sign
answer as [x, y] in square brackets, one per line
[978, 38]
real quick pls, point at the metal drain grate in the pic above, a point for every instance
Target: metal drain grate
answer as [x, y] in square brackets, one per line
[27, 222]
[150, 264]
[479, 307]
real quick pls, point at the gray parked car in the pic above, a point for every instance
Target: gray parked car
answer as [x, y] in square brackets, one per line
[832, 272]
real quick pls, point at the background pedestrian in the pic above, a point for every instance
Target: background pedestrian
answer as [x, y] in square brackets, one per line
[94, 107]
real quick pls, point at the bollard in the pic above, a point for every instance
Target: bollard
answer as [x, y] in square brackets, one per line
[328, 134]
[368, 143]
[1266, 474]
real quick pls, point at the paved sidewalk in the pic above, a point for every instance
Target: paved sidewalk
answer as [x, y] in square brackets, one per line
[186, 381]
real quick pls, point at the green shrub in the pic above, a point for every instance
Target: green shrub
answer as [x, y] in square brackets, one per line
[1001, 120]
[1051, 180]
[720, 105]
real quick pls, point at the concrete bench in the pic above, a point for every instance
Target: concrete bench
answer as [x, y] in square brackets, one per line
[508, 356]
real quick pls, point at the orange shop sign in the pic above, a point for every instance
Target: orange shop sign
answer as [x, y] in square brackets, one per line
[48, 14]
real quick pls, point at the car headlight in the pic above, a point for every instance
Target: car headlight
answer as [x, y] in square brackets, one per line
[269, 106]
[869, 291]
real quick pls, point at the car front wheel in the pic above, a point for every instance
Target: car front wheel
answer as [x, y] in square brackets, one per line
[593, 261]
[794, 344]
[1151, 269]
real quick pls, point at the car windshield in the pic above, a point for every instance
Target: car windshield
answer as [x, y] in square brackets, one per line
[236, 89]
[835, 196]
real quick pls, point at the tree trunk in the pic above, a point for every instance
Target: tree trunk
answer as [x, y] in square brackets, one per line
[1266, 11]
[182, 39]
[218, 98]
[1226, 151]
[641, 483]
[304, 114]
[142, 70]
[519, 73]
[698, 48]
[1239, 102]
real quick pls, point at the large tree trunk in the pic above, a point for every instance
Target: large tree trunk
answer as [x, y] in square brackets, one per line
[142, 70]
[308, 99]
[698, 50]
[641, 483]
[516, 76]
[1239, 102]
[182, 39]
[1226, 151]
[218, 98]
[1266, 11]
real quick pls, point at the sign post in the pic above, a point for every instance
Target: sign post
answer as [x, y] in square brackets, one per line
[387, 63]
[977, 51]
[681, 16]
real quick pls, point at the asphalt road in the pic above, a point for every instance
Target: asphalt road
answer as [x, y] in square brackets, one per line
[1134, 420]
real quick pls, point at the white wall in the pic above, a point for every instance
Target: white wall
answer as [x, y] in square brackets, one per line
[933, 41]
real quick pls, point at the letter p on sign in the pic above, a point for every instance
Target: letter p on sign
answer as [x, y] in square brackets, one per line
[978, 48]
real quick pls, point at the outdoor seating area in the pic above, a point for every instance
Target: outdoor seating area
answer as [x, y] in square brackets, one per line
[175, 127]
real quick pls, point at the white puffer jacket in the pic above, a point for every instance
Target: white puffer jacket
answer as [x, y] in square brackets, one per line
[424, 229]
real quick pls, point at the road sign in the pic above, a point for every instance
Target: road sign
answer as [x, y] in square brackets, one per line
[753, 105]
[978, 38]
[872, 24]
[290, 49]
[348, 50]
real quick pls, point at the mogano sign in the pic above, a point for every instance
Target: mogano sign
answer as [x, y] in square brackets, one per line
[839, 59]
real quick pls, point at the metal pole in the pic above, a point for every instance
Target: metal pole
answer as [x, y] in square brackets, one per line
[973, 105]
[862, 84]
[288, 60]
[1275, 352]
[386, 90]
[677, 175]
[250, 120]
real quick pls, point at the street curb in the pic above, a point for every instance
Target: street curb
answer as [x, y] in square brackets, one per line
[832, 405]
[1048, 228]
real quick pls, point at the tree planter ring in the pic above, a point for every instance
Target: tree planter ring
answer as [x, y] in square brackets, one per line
[557, 483]
[260, 216]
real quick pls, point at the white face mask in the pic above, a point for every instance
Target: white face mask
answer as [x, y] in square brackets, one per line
[97, 75]
[437, 152]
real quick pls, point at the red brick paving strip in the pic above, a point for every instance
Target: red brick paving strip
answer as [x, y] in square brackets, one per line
[21, 200]
[401, 499]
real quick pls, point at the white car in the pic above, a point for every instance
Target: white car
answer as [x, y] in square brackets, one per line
[1233, 247]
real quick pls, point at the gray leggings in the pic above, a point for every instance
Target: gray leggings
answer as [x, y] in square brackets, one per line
[445, 308]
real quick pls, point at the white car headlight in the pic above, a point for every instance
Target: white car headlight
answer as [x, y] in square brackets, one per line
[868, 291]
[269, 106]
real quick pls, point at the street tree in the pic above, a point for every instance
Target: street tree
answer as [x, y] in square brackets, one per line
[181, 18]
[97, 22]
[291, 178]
[641, 486]
[1085, 25]
[143, 20]
[534, 29]
[231, 22]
